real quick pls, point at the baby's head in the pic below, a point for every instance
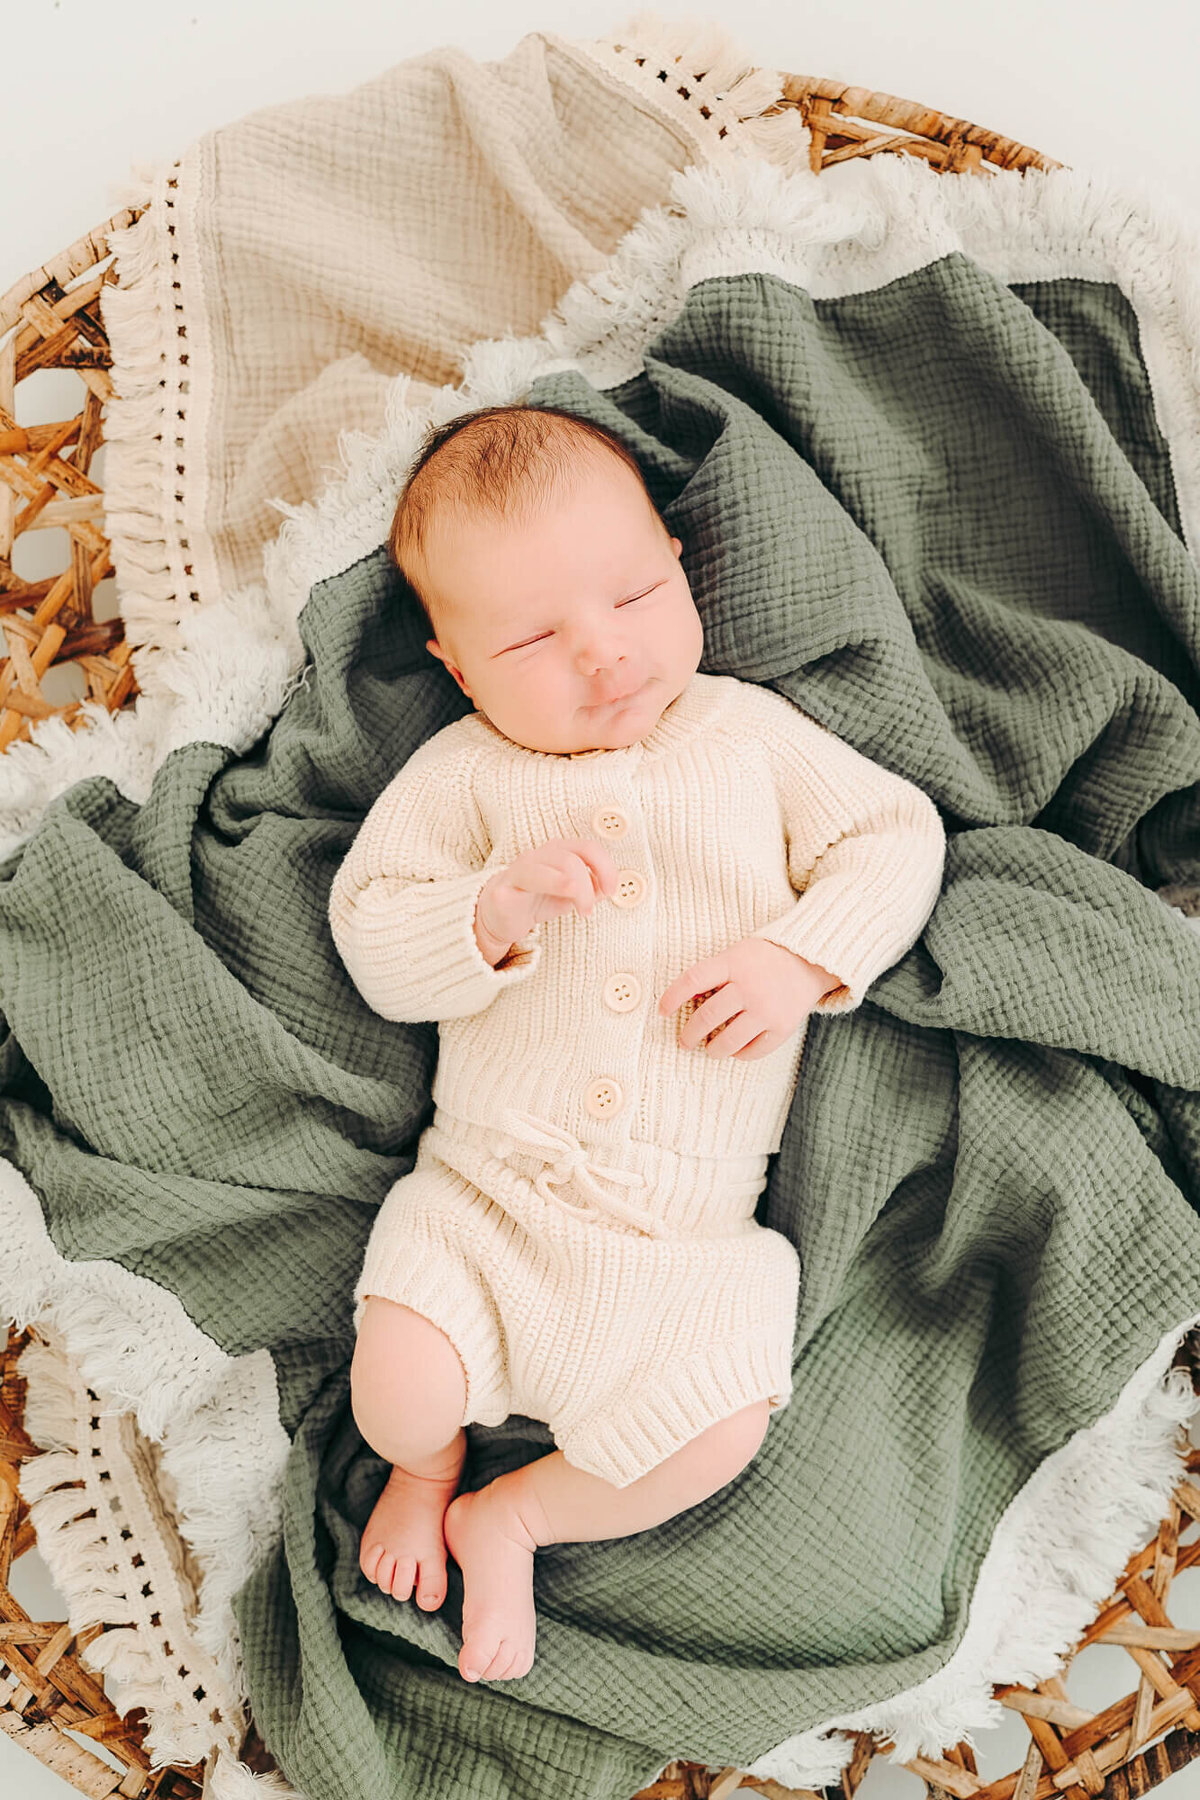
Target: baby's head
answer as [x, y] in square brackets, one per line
[552, 586]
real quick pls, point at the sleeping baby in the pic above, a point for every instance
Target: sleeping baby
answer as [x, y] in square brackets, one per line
[620, 887]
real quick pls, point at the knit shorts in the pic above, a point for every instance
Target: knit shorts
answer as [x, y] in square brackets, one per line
[626, 1345]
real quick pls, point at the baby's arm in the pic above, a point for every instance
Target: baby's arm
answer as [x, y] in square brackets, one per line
[866, 851]
[402, 904]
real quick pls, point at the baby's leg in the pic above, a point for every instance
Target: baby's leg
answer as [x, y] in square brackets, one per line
[408, 1392]
[564, 1505]
[494, 1533]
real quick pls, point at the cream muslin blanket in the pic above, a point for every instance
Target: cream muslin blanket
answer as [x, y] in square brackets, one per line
[291, 265]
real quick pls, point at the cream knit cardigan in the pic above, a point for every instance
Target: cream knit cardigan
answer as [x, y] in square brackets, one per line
[736, 815]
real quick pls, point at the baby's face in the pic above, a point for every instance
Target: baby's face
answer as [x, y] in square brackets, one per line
[571, 631]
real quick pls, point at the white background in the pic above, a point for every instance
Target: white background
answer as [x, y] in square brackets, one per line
[91, 91]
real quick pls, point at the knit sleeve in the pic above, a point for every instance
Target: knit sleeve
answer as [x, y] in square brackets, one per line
[402, 904]
[866, 850]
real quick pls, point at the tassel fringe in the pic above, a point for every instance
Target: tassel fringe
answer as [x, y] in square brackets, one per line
[131, 1344]
[83, 1494]
[680, 66]
[143, 420]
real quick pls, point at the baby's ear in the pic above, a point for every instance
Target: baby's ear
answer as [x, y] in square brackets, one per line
[435, 649]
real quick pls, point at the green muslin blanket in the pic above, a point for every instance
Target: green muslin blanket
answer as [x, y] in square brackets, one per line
[930, 445]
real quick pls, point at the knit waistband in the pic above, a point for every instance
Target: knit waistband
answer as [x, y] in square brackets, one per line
[649, 1189]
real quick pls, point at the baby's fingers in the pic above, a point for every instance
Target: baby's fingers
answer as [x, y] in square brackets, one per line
[571, 881]
[587, 886]
[599, 860]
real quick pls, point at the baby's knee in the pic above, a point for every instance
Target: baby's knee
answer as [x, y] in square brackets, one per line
[408, 1388]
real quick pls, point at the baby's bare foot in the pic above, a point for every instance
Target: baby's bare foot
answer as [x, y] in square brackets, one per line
[402, 1540]
[494, 1550]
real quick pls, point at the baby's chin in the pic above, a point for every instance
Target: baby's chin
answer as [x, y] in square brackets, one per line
[629, 724]
[599, 728]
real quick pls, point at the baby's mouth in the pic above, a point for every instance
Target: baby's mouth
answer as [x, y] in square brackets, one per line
[617, 700]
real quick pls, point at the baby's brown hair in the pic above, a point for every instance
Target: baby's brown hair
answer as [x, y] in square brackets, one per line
[504, 461]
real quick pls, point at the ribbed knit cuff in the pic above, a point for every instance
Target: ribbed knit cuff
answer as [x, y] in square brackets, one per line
[857, 922]
[823, 931]
[443, 944]
[629, 1437]
[413, 955]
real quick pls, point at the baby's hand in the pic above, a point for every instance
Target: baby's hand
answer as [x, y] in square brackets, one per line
[544, 881]
[756, 990]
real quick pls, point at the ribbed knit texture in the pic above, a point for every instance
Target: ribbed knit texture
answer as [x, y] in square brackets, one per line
[736, 815]
[627, 1344]
[742, 817]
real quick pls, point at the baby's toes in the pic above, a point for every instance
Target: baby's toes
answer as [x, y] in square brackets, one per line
[508, 1668]
[401, 1585]
[519, 1663]
[369, 1558]
[432, 1583]
[478, 1654]
[500, 1664]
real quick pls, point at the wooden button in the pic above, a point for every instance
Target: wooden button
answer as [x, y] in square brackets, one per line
[604, 1097]
[622, 992]
[609, 822]
[630, 889]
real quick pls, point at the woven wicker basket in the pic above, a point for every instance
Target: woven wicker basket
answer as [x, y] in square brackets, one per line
[51, 319]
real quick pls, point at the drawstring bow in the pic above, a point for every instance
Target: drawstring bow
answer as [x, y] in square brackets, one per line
[568, 1160]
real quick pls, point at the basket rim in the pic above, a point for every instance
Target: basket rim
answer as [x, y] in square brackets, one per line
[86, 253]
[848, 99]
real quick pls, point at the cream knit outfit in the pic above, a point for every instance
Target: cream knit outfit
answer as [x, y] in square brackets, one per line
[579, 1220]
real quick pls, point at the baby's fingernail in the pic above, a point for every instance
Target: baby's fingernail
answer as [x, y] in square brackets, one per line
[471, 1674]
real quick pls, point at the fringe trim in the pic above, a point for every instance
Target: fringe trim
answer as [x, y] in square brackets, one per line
[225, 1778]
[134, 1346]
[141, 315]
[88, 1470]
[678, 67]
[156, 492]
[235, 666]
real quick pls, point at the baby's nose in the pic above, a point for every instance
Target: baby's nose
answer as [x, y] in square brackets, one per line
[601, 656]
[598, 657]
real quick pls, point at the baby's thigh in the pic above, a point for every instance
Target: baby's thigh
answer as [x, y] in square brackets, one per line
[721, 1451]
[403, 1365]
